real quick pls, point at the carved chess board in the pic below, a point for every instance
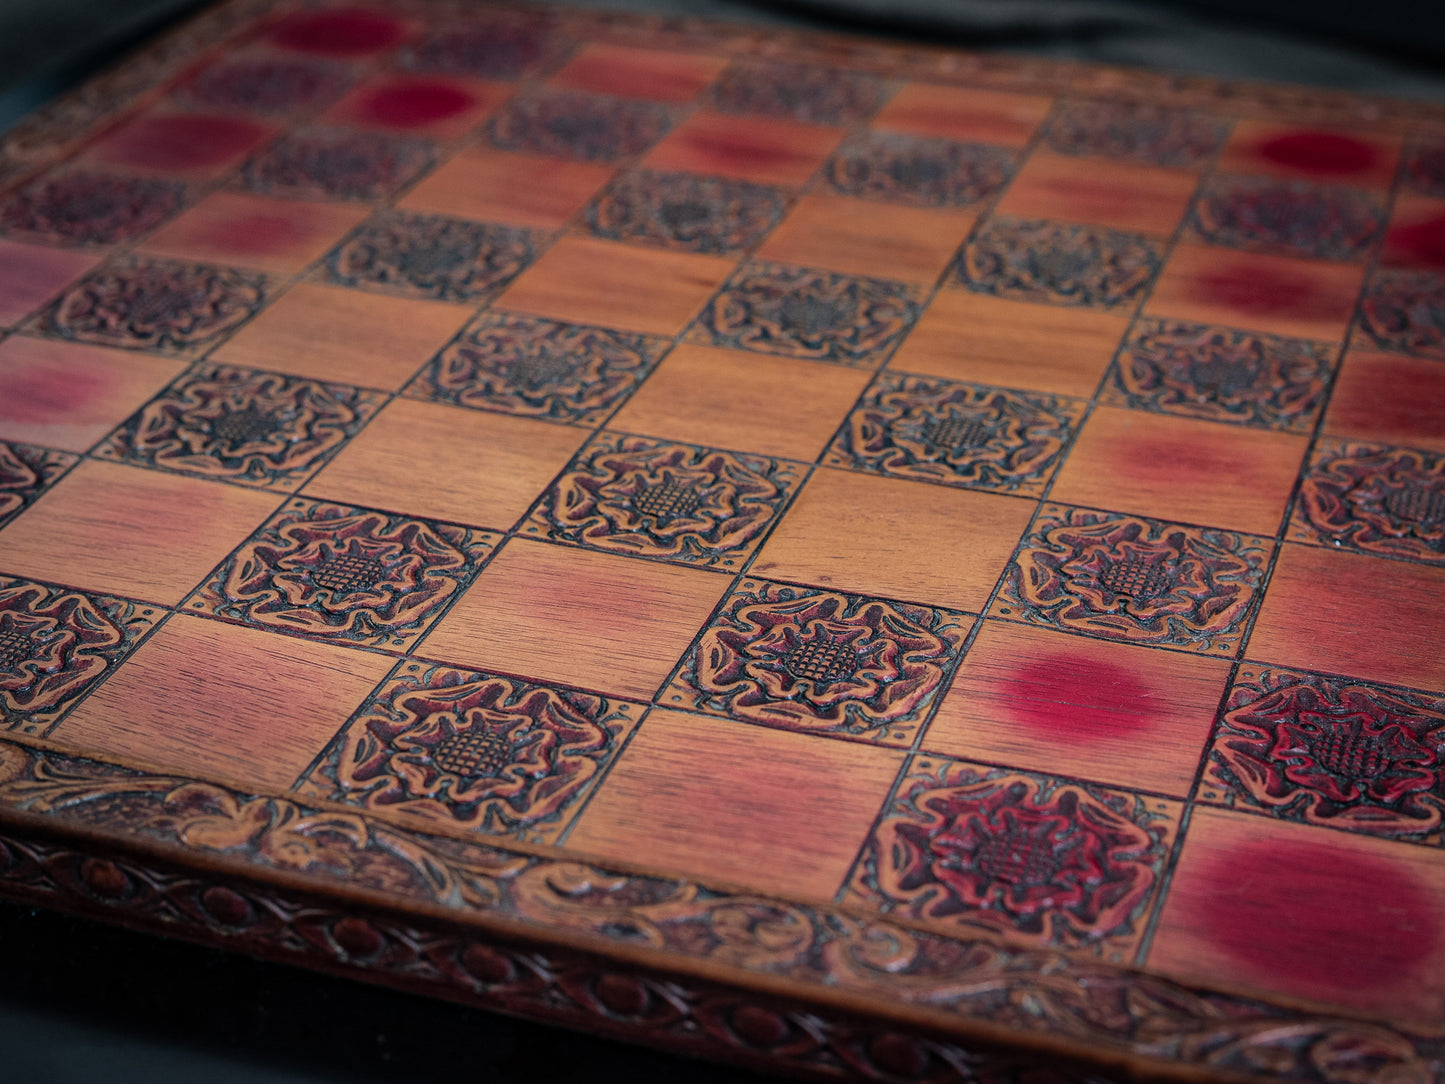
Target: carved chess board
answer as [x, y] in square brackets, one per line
[848, 557]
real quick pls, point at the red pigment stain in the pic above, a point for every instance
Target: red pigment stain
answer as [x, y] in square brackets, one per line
[1314, 917]
[255, 233]
[344, 32]
[1320, 152]
[186, 141]
[1078, 700]
[1398, 399]
[40, 397]
[410, 105]
[737, 153]
[1260, 291]
[1419, 243]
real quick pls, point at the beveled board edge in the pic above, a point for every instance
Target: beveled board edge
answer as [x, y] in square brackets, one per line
[663, 961]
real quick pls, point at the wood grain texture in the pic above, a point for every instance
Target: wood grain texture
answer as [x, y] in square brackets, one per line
[1181, 469]
[273, 235]
[629, 72]
[1389, 398]
[345, 336]
[598, 282]
[1107, 712]
[65, 395]
[225, 702]
[763, 149]
[447, 463]
[730, 399]
[498, 186]
[132, 532]
[738, 802]
[1142, 199]
[30, 275]
[904, 540]
[859, 237]
[1324, 916]
[1012, 344]
[1347, 614]
[969, 114]
[591, 619]
[1360, 156]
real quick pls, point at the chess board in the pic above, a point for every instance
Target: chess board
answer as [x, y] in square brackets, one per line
[853, 558]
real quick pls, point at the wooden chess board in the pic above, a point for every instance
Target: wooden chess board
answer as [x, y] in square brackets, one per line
[854, 558]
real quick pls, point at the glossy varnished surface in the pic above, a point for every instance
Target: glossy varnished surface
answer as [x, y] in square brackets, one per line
[559, 469]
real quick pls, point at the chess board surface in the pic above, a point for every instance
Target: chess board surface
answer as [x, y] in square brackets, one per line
[853, 558]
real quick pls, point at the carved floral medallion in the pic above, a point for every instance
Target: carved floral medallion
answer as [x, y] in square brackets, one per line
[345, 575]
[84, 208]
[1373, 498]
[26, 471]
[689, 213]
[337, 164]
[539, 368]
[1221, 374]
[1058, 264]
[1331, 751]
[1405, 311]
[1138, 580]
[957, 434]
[900, 168]
[677, 502]
[251, 428]
[55, 644]
[1136, 131]
[499, 755]
[585, 127]
[821, 662]
[1291, 218]
[1062, 863]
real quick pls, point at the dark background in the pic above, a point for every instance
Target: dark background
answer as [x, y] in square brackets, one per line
[84, 1002]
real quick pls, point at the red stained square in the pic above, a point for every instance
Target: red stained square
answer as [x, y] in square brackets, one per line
[1305, 912]
[344, 32]
[437, 107]
[199, 145]
[738, 804]
[1345, 156]
[971, 115]
[30, 275]
[1142, 199]
[65, 395]
[1303, 299]
[225, 702]
[1182, 470]
[1416, 236]
[274, 235]
[1390, 398]
[1342, 613]
[1111, 713]
[766, 150]
[639, 73]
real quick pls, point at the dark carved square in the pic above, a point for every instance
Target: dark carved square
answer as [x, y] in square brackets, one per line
[1221, 374]
[337, 164]
[266, 85]
[1292, 218]
[1058, 264]
[677, 502]
[584, 127]
[539, 368]
[1137, 131]
[156, 305]
[797, 92]
[346, 575]
[431, 256]
[821, 662]
[1425, 168]
[27, 471]
[900, 168]
[686, 212]
[1373, 498]
[1405, 311]
[494, 754]
[1062, 863]
[55, 644]
[252, 428]
[83, 208]
[504, 45]
[1331, 751]
[957, 434]
[802, 313]
[1135, 580]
